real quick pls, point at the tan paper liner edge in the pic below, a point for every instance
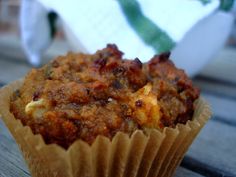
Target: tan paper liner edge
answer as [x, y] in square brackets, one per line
[155, 154]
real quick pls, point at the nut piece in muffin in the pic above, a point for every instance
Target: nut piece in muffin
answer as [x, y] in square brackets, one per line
[81, 96]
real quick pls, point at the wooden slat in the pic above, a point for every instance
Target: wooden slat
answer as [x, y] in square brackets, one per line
[210, 79]
[12, 163]
[203, 168]
[7, 169]
[222, 107]
[215, 146]
[11, 49]
[11, 166]
[12, 71]
[13, 59]
[183, 172]
[9, 149]
[223, 66]
[215, 88]
[1, 84]
[13, 63]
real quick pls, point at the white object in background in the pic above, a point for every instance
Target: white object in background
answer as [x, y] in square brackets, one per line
[194, 31]
[202, 42]
[198, 46]
[90, 25]
[35, 30]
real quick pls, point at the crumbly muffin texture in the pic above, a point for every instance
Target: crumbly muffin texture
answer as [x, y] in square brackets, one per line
[81, 96]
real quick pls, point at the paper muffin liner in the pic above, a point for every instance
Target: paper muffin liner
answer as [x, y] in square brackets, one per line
[150, 154]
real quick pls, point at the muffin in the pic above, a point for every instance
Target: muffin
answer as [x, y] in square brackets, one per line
[102, 115]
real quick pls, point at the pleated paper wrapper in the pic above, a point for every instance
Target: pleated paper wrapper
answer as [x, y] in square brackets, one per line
[156, 153]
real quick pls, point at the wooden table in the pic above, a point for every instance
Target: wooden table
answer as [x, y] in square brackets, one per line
[213, 153]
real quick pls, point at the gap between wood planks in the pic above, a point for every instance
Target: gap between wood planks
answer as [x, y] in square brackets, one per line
[203, 168]
[224, 121]
[216, 87]
[13, 59]
[216, 80]
[2, 84]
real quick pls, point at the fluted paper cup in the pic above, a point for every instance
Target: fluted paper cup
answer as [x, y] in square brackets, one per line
[143, 154]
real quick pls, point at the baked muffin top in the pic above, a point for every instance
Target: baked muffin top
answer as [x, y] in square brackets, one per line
[81, 96]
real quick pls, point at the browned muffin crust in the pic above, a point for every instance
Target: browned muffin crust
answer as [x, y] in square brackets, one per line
[80, 96]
